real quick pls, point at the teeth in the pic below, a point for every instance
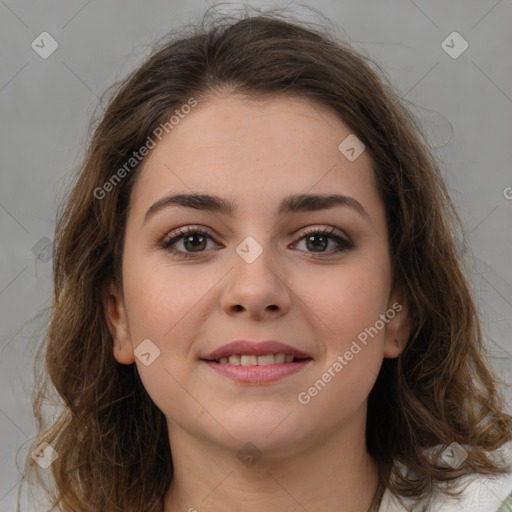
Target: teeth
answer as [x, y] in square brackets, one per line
[234, 359]
[264, 360]
[252, 360]
[249, 360]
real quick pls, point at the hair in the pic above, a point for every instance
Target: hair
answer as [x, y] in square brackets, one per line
[111, 439]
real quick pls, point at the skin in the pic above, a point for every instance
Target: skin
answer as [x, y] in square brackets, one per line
[256, 152]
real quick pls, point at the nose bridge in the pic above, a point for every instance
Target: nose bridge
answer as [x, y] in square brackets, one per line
[254, 259]
[255, 284]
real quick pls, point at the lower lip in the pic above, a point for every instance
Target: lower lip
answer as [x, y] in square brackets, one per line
[258, 374]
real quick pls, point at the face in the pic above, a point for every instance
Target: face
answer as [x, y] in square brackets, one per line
[277, 264]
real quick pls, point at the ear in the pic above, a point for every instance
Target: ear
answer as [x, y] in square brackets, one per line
[398, 328]
[117, 323]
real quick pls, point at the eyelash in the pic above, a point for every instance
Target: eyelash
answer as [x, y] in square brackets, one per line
[344, 244]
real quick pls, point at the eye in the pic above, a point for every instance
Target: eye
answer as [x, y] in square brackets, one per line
[317, 240]
[192, 240]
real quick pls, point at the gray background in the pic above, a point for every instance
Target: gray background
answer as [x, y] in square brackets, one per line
[465, 104]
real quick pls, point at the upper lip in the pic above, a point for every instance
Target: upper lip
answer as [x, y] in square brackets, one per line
[256, 348]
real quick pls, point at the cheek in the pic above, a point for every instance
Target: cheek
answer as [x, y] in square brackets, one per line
[164, 305]
[163, 298]
[345, 306]
[345, 310]
[347, 299]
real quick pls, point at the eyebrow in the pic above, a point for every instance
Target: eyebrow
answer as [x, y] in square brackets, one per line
[292, 204]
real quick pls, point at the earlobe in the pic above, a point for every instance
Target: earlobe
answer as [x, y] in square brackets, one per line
[117, 323]
[398, 328]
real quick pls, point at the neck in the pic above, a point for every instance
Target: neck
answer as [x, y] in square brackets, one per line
[334, 474]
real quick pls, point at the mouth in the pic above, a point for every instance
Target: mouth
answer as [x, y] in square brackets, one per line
[258, 360]
[255, 353]
[256, 363]
[257, 370]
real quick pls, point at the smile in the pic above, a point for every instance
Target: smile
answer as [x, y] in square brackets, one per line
[251, 369]
[253, 360]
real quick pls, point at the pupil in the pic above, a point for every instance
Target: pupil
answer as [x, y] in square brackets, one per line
[323, 243]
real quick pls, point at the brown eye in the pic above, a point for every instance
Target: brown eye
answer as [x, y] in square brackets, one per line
[319, 240]
[189, 241]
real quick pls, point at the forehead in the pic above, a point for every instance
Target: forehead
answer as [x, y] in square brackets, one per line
[260, 150]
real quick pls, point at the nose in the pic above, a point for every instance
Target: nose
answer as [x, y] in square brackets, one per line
[257, 290]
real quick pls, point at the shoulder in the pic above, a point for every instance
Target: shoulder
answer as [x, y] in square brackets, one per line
[479, 493]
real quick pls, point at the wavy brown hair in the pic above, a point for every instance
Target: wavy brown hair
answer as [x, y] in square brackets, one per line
[111, 439]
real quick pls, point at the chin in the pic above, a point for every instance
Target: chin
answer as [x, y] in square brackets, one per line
[268, 433]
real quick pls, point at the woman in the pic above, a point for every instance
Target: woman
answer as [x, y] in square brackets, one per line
[258, 300]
